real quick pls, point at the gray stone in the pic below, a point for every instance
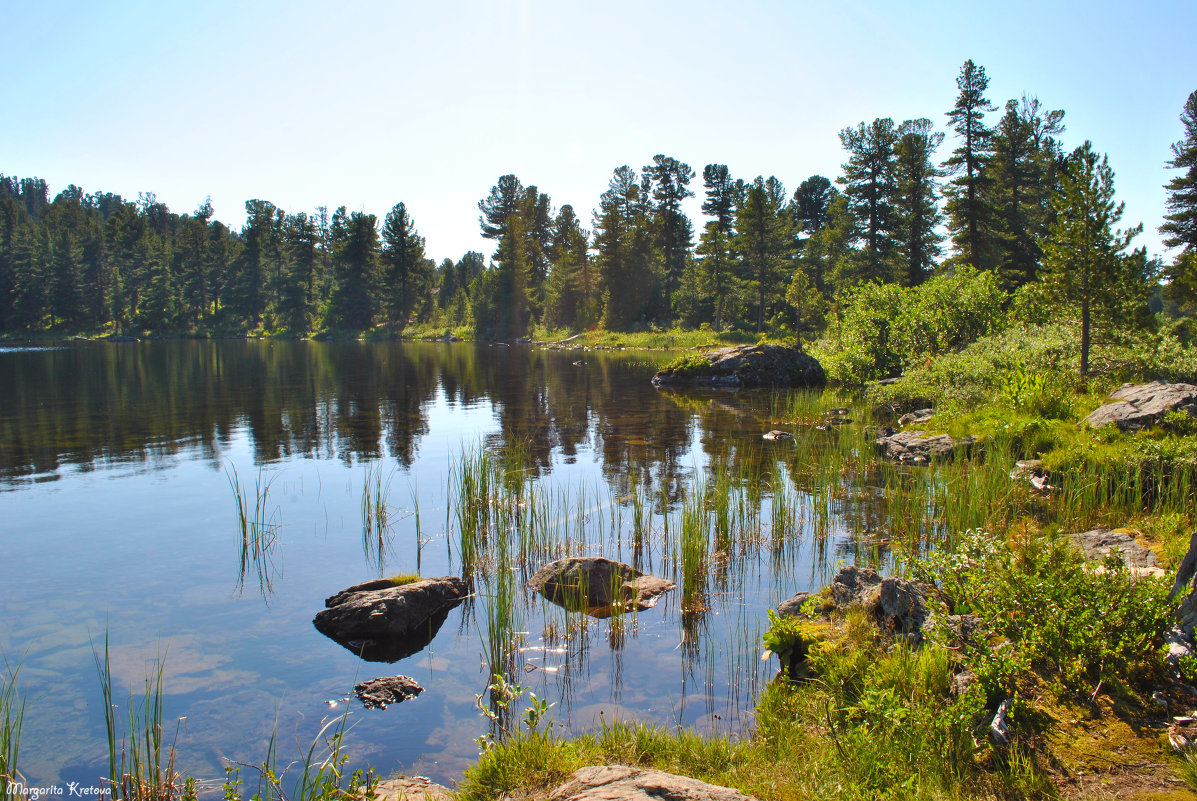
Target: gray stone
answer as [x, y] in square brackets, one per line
[793, 606]
[380, 693]
[600, 587]
[390, 622]
[748, 366]
[916, 447]
[851, 584]
[777, 435]
[912, 418]
[621, 783]
[1099, 543]
[1138, 406]
[899, 606]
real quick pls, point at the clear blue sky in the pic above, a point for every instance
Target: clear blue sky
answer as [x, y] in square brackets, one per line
[365, 104]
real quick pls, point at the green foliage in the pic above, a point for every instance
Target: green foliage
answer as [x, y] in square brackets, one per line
[1031, 392]
[881, 329]
[1080, 626]
[12, 717]
[791, 639]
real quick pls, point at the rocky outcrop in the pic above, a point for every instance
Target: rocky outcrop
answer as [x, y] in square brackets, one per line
[777, 435]
[600, 587]
[389, 622]
[1138, 406]
[380, 693]
[1099, 543]
[915, 417]
[621, 783]
[918, 447]
[897, 605]
[745, 366]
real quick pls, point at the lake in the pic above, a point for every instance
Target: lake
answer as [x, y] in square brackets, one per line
[117, 471]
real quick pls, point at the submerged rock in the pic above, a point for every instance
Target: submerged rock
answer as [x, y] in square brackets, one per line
[776, 435]
[385, 622]
[1144, 405]
[621, 783]
[379, 693]
[746, 366]
[600, 587]
[411, 788]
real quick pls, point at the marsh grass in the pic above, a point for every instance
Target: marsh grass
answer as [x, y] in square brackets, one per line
[376, 516]
[257, 530]
[141, 761]
[12, 719]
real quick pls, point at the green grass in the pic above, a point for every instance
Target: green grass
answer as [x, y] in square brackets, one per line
[12, 718]
[257, 532]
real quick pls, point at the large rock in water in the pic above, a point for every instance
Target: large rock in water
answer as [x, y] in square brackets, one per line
[897, 605]
[621, 783]
[1143, 405]
[385, 622]
[600, 587]
[746, 366]
[919, 447]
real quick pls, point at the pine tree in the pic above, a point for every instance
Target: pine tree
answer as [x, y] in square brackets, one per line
[670, 186]
[1083, 258]
[403, 277]
[869, 183]
[968, 218]
[916, 201]
[1180, 226]
[355, 265]
[764, 244]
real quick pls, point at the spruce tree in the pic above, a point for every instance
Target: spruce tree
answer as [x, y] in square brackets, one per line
[403, 276]
[916, 201]
[870, 185]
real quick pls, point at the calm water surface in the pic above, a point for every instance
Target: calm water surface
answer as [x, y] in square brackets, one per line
[117, 516]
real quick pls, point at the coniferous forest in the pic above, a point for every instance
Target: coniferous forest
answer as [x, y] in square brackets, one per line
[1007, 200]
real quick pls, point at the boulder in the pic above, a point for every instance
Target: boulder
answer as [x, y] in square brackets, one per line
[385, 622]
[917, 447]
[899, 606]
[793, 606]
[851, 584]
[776, 435]
[1097, 544]
[746, 366]
[621, 783]
[1185, 588]
[379, 693]
[1138, 406]
[600, 587]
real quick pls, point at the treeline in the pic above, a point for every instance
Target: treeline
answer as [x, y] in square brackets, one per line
[1008, 196]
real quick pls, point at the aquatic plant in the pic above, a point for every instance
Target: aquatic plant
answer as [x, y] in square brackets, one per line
[257, 530]
[12, 718]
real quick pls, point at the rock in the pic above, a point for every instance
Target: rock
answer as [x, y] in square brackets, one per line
[120, 338]
[961, 628]
[962, 681]
[378, 693]
[414, 788]
[777, 436]
[852, 583]
[387, 623]
[621, 783]
[1138, 406]
[918, 416]
[600, 587]
[899, 606]
[916, 447]
[1099, 543]
[999, 727]
[793, 606]
[1180, 645]
[747, 366]
[1159, 699]
[1185, 587]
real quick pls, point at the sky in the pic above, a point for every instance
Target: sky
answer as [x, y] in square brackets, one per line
[368, 104]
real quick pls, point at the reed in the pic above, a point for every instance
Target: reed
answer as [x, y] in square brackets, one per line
[141, 762]
[257, 532]
[376, 517]
[12, 718]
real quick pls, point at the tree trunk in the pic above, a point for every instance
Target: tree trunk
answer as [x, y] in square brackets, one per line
[1084, 335]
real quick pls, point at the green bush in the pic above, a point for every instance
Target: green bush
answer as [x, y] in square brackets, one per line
[1078, 625]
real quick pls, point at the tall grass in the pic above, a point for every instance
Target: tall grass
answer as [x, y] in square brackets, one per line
[141, 761]
[376, 517]
[12, 718]
[257, 532]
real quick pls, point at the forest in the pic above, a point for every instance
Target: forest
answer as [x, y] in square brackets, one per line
[1008, 202]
